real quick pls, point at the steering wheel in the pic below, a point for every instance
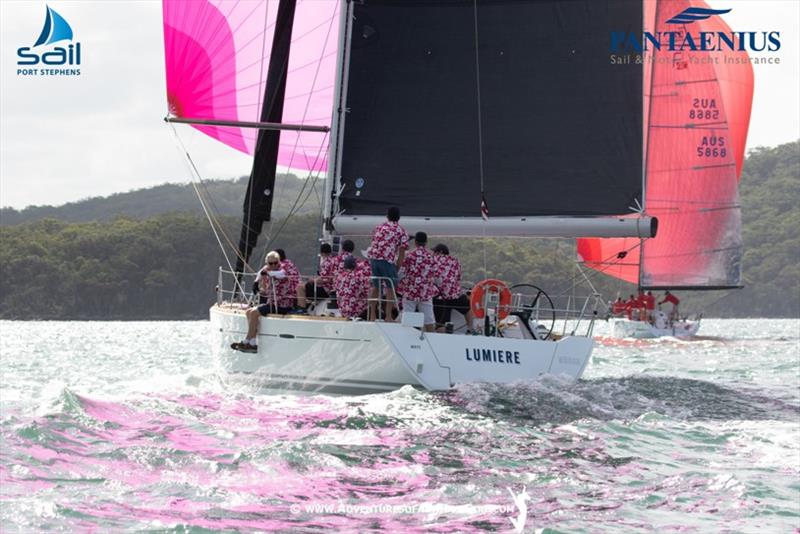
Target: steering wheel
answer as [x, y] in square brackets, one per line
[536, 309]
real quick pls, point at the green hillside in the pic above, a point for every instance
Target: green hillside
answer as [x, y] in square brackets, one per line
[227, 198]
[157, 265]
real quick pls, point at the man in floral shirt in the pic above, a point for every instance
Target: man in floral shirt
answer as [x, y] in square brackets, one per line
[331, 268]
[417, 272]
[292, 286]
[276, 295]
[318, 287]
[448, 284]
[352, 287]
[389, 243]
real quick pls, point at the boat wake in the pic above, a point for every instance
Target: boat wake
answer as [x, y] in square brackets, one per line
[551, 401]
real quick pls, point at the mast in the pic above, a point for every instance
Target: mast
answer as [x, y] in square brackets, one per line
[647, 91]
[257, 206]
[337, 123]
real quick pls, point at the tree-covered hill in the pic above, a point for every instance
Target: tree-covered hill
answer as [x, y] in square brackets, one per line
[164, 265]
[227, 196]
[157, 268]
[770, 196]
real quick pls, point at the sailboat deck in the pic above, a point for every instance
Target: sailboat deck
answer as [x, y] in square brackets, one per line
[238, 309]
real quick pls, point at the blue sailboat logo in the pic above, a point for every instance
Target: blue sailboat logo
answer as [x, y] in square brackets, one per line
[692, 14]
[55, 29]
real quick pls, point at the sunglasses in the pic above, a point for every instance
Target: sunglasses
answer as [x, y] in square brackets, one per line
[273, 263]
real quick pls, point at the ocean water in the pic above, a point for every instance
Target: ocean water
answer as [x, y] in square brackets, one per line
[111, 426]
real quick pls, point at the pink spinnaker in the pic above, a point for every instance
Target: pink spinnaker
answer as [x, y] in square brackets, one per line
[217, 57]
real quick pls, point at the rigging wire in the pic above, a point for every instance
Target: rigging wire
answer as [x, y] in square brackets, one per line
[480, 128]
[608, 264]
[193, 168]
[259, 110]
[271, 238]
[294, 209]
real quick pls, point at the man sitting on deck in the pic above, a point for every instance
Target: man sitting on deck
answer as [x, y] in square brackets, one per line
[319, 287]
[352, 288]
[276, 294]
[293, 274]
[618, 307]
[330, 269]
[448, 286]
[630, 305]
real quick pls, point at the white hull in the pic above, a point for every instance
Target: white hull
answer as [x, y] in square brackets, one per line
[622, 328]
[330, 355]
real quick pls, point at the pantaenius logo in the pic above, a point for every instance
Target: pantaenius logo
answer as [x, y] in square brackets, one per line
[683, 39]
[45, 54]
[692, 14]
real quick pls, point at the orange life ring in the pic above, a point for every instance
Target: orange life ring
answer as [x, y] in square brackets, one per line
[490, 285]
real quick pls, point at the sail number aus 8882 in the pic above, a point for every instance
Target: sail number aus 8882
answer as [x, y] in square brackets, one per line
[704, 114]
[712, 147]
[704, 109]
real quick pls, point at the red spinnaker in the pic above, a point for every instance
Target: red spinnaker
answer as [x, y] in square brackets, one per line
[697, 111]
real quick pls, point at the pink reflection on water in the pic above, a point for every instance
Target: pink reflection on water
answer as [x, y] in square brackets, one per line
[241, 463]
[221, 463]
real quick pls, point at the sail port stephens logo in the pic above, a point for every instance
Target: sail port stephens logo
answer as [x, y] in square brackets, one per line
[44, 58]
[685, 38]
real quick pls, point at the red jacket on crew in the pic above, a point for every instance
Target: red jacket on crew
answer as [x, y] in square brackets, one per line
[669, 297]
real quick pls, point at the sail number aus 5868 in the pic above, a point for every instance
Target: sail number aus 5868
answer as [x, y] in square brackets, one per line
[712, 147]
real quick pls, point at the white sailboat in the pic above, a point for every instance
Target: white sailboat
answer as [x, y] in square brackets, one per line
[698, 111]
[660, 327]
[440, 108]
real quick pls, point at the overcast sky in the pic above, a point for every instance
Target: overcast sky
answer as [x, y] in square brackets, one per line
[67, 138]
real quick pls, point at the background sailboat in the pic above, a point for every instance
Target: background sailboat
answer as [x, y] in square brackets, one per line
[697, 114]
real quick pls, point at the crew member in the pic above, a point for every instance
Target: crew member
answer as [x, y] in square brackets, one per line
[630, 304]
[416, 284]
[277, 293]
[618, 307]
[649, 305]
[448, 285]
[672, 299]
[319, 287]
[352, 287]
[385, 253]
[293, 275]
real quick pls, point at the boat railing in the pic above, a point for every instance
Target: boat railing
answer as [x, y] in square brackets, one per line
[237, 289]
[561, 315]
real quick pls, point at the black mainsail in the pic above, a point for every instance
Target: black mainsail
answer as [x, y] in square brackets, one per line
[450, 102]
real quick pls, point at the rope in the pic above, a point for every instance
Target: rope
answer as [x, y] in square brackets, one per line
[597, 272]
[480, 128]
[294, 209]
[259, 110]
[302, 120]
[203, 204]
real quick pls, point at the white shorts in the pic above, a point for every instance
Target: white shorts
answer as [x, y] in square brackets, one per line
[424, 306]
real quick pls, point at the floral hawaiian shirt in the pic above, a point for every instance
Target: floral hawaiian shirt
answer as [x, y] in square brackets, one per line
[448, 276]
[417, 274]
[352, 289]
[283, 290]
[387, 239]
